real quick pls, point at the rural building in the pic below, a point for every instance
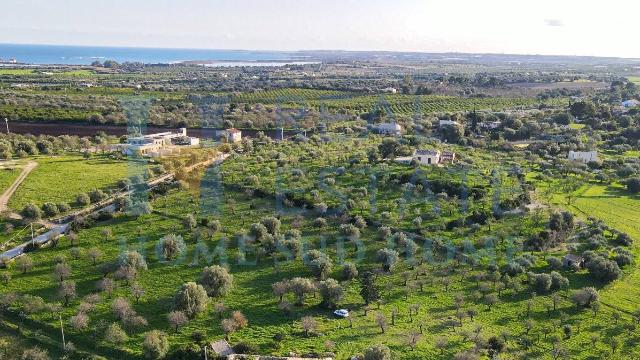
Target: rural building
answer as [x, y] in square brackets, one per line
[447, 157]
[158, 144]
[447, 123]
[221, 348]
[427, 157]
[391, 90]
[571, 260]
[389, 129]
[230, 135]
[583, 156]
[490, 125]
[630, 103]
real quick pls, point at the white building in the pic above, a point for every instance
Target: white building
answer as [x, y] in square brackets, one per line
[389, 129]
[230, 135]
[630, 103]
[390, 90]
[159, 144]
[447, 123]
[427, 157]
[583, 156]
[491, 125]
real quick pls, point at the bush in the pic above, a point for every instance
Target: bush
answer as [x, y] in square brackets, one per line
[155, 345]
[170, 247]
[349, 271]
[541, 283]
[377, 352]
[388, 258]
[319, 263]
[558, 282]
[83, 199]
[633, 185]
[216, 280]
[31, 212]
[97, 195]
[602, 268]
[245, 348]
[555, 263]
[191, 298]
[50, 209]
[585, 296]
[331, 293]
[63, 207]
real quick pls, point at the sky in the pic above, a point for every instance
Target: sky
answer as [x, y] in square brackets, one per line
[551, 27]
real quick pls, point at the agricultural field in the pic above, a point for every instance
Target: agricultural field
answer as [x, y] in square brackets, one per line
[444, 301]
[392, 103]
[7, 176]
[60, 179]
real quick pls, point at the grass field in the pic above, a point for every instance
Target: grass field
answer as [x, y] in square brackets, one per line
[60, 179]
[7, 176]
[621, 211]
[634, 79]
[252, 294]
[16, 71]
[237, 210]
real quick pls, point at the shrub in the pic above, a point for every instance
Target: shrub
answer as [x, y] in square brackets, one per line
[97, 195]
[115, 335]
[31, 212]
[388, 258]
[319, 263]
[377, 352]
[155, 345]
[349, 271]
[177, 319]
[133, 260]
[555, 263]
[585, 296]
[558, 282]
[170, 246]
[50, 209]
[83, 199]
[35, 354]
[191, 298]
[540, 282]
[633, 185]
[216, 280]
[331, 293]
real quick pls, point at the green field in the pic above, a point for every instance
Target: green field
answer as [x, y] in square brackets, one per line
[16, 71]
[7, 176]
[61, 178]
[392, 103]
[238, 205]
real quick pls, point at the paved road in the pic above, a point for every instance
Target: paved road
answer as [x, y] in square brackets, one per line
[4, 198]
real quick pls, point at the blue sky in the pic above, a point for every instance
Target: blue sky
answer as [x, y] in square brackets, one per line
[566, 27]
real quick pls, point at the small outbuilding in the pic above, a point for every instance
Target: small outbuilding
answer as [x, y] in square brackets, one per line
[583, 156]
[221, 348]
[571, 260]
[427, 157]
[389, 129]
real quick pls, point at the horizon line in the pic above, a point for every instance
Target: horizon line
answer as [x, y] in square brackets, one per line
[323, 50]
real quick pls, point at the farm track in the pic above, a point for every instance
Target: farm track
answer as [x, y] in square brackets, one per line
[6, 196]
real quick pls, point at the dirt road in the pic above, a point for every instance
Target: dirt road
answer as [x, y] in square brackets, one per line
[4, 198]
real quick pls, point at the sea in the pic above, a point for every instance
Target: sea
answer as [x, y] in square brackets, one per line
[85, 55]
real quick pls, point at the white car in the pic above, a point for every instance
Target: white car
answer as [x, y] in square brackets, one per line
[341, 313]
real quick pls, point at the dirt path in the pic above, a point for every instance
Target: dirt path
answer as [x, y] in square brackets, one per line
[4, 198]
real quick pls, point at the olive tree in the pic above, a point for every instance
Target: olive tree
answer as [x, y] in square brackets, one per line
[216, 280]
[155, 345]
[191, 298]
